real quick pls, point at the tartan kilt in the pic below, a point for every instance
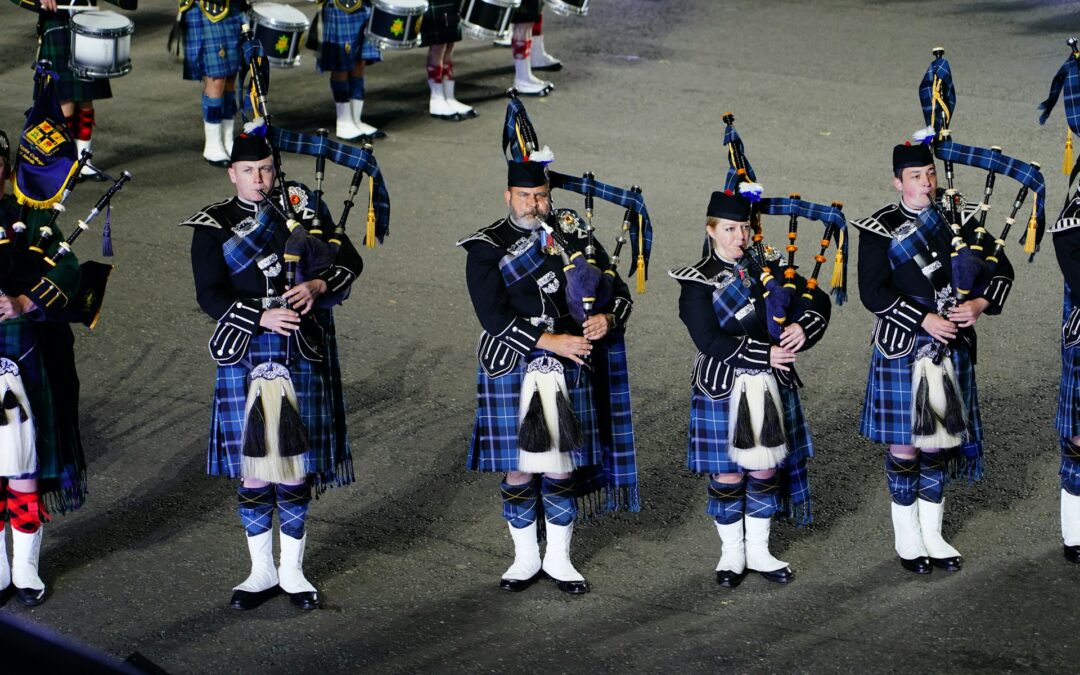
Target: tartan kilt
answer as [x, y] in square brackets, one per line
[528, 12]
[61, 471]
[887, 407]
[327, 460]
[494, 447]
[55, 45]
[1068, 411]
[441, 23]
[211, 49]
[344, 43]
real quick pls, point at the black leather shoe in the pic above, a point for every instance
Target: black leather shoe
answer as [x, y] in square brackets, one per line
[306, 600]
[551, 67]
[518, 585]
[30, 597]
[251, 599]
[919, 565]
[952, 564]
[223, 163]
[572, 587]
[1072, 554]
[781, 576]
[729, 579]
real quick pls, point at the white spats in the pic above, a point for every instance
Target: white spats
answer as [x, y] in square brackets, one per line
[1070, 519]
[732, 548]
[213, 145]
[930, 517]
[538, 56]
[25, 551]
[758, 557]
[291, 570]
[528, 84]
[557, 563]
[526, 554]
[263, 575]
[438, 106]
[346, 128]
[357, 106]
[18, 454]
[448, 93]
[228, 130]
[88, 171]
[907, 536]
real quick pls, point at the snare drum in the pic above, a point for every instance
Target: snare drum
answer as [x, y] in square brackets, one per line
[568, 7]
[100, 44]
[280, 29]
[487, 19]
[395, 24]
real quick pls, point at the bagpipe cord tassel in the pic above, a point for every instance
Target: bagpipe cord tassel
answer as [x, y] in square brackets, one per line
[1067, 163]
[106, 233]
[369, 235]
[641, 255]
[1029, 240]
[837, 280]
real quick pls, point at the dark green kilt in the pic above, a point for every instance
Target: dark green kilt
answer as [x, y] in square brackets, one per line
[55, 45]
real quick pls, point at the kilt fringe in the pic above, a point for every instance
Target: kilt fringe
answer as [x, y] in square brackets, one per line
[64, 495]
[966, 463]
[341, 476]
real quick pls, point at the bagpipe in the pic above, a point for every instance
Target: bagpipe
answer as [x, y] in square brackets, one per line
[783, 303]
[274, 434]
[1067, 81]
[46, 174]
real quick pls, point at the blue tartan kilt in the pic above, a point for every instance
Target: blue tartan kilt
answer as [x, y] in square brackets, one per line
[1068, 411]
[328, 461]
[211, 49]
[887, 408]
[708, 437]
[56, 47]
[494, 446]
[343, 41]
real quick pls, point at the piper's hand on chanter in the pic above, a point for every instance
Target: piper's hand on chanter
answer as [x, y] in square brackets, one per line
[939, 328]
[778, 356]
[967, 313]
[597, 326]
[302, 296]
[572, 347]
[793, 337]
[12, 307]
[280, 320]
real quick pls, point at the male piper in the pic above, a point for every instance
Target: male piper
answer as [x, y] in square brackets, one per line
[905, 279]
[277, 420]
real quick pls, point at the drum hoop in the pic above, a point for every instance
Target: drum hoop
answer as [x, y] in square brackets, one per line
[387, 7]
[275, 23]
[505, 4]
[565, 8]
[98, 31]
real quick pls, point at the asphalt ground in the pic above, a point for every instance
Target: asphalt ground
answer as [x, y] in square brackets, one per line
[408, 558]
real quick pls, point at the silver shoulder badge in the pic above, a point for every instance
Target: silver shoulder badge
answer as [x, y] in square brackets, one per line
[519, 246]
[904, 231]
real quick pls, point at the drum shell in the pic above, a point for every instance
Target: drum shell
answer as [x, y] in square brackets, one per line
[487, 19]
[568, 7]
[381, 24]
[270, 30]
[98, 52]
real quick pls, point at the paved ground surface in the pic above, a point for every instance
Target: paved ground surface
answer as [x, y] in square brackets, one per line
[408, 557]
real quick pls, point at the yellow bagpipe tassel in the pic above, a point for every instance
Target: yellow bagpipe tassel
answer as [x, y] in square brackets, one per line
[1067, 163]
[1029, 240]
[641, 255]
[369, 235]
[837, 279]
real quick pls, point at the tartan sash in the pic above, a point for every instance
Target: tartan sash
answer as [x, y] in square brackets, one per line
[905, 245]
[516, 265]
[729, 297]
[241, 249]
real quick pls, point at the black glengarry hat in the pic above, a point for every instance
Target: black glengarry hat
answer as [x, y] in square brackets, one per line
[908, 155]
[729, 206]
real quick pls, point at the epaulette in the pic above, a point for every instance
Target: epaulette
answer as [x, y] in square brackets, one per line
[698, 272]
[1070, 217]
[205, 217]
[487, 235]
[876, 223]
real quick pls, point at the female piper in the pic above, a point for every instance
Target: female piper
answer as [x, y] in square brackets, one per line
[747, 428]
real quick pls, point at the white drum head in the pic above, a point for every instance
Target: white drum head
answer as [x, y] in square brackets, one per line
[102, 22]
[281, 16]
[402, 7]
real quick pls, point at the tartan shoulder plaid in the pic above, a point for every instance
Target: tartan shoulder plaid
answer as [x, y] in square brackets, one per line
[522, 259]
[735, 147]
[936, 91]
[906, 244]
[728, 299]
[1066, 79]
[242, 248]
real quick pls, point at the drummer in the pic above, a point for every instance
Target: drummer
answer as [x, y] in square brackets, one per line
[440, 29]
[344, 53]
[212, 55]
[527, 46]
[77, 96]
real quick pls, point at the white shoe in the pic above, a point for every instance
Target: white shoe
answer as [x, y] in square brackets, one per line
[291, 577]
[557, 563]
[527, 84]
[365, 129]
[228, 128]
[941, 553]
[1070, 526]
[25, 553]
[540, 59]
[526, 554]
[907, 534]
[758, 557]
[213, 147]
[263, 575]
[5, 568]
[458, 107]
[346, 128]
[732, 548]
[439, 106]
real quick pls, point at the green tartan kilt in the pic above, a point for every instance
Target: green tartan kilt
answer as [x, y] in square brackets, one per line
[55, 46]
